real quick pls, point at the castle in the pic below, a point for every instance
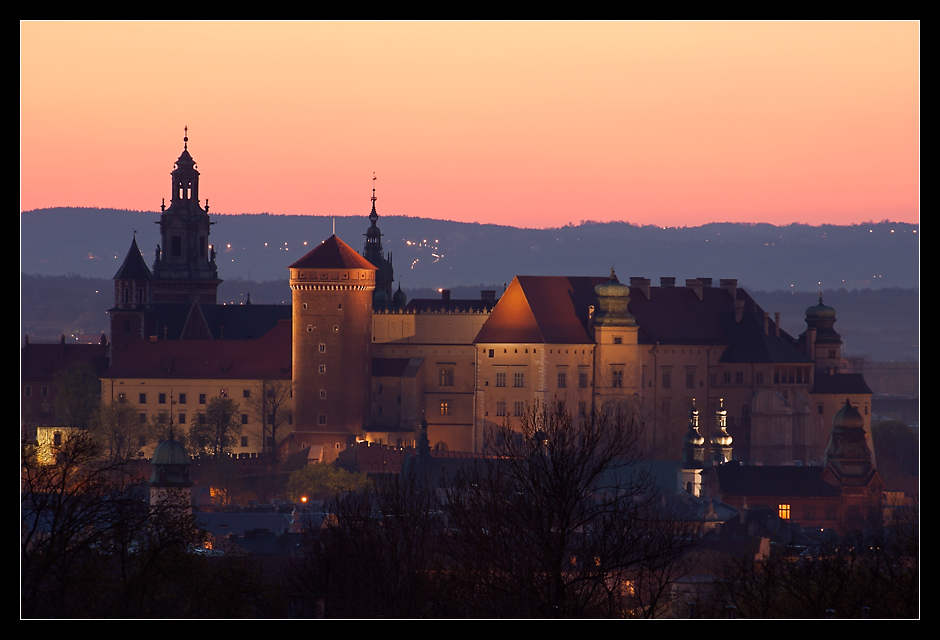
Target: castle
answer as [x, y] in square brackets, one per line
[365, 364]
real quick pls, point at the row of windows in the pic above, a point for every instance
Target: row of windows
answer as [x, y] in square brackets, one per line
[518, 409]
[28, 391]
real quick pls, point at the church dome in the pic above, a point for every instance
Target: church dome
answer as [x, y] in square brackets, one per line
[612, 288]
[170, 451]
[848, 417]
[820, 310]
[170, 464]
[399, 299]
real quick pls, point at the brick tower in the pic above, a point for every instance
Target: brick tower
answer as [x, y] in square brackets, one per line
[331, 291]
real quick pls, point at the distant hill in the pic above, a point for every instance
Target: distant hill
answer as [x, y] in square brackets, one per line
[437, 253]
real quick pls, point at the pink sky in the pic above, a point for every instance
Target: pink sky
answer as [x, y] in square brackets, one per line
[528, 124]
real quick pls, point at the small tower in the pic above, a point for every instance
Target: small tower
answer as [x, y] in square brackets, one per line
[693, 456]
[133, 294]
[184, 269]
[331, 291]
[821, 342]
[385, 275]
[616, 365]
[721, 440]
[169, 477]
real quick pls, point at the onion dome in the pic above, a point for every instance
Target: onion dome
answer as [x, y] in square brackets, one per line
[170, 464]
[848, 417]
[611, 305]
[379, 299]
[721, 437]
[821, 318]
[693, 443]
[820, 310]
[399, 299]
[848, 454]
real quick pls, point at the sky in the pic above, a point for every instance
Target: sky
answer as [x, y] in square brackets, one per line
[535, 124]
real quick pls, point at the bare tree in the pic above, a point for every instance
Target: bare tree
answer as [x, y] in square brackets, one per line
[272, 405]
[558, 520]
[215, 432]
[120, 430]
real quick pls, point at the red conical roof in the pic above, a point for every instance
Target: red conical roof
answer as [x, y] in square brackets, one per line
[333, 253]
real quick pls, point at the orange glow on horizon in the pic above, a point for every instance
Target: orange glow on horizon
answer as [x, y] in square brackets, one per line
[530, 124]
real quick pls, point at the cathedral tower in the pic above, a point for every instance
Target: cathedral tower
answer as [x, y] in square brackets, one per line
[133, 293]
[331, 291]
[184, 268]
[385, 274]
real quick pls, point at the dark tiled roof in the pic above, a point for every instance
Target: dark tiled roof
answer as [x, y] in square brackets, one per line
[848, 383]
[749, 343]
[267, 358]
[133, 267]
[741, 480]
[439, 305]
[228, 322]
[41, 361]
[333, 253]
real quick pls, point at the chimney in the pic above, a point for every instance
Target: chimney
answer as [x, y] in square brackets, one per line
[811, 343]
[695, 285]
[643, 284]
[706, 283]
[667, 283]
[730, 285]
[445, 294]
[766, 324]
[738, 310]
[488, 296]
[777, 324]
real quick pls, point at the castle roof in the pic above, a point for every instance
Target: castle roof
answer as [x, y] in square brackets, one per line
[133, 267]
[742, 480]
[841, 383]
[333, 253]
[267, 358]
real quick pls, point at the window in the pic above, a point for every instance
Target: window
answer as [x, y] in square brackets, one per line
[758, 378]
[143, 399]
[618, 340]
[321, 419]
[142, 418]
[202, 398]
[583, 379]
[820, 409]
[689, 380]
[28, 391]
[244, 419]
[727, 377]
[492, 353]
[270, 418]
[447, 377]
[783, 511]
[501, 379]
[617, 381]
[335, 328]
[562, 380]
[244, 441]
[176, 246]
[501, 408]
[445, 407]
[667, 380]
[162, 417]
[121, 398]
[246, 393]
[713, 380]
[182, 398]
[182, 418]
[518, 379]
[322, 347]
[518, 409]
[161, 398]
[202, 418]
[739, 378]
[57, 439]
[322, 368]
[582, 408]
[322, 394]
[223, 393]
[832, 353]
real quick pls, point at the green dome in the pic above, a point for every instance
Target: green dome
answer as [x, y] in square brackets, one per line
[820, 310]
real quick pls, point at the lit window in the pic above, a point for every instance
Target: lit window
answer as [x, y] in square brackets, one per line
[445, 407]
[783, 511]
[447, 377]
[223, 393]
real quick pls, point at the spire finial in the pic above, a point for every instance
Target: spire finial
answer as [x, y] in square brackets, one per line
[334, 225]
[185, 137]
[373, 189]
[820, 297]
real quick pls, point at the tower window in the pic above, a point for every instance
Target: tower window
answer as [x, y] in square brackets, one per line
[176, 246]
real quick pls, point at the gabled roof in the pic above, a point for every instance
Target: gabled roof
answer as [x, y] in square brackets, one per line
[542, 309]
[267, 358]
[333, 253]
[228, 322]
[133, 267]
[553, 309]
[41, 361]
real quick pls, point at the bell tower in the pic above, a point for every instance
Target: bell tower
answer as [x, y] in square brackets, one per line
[184, 268]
